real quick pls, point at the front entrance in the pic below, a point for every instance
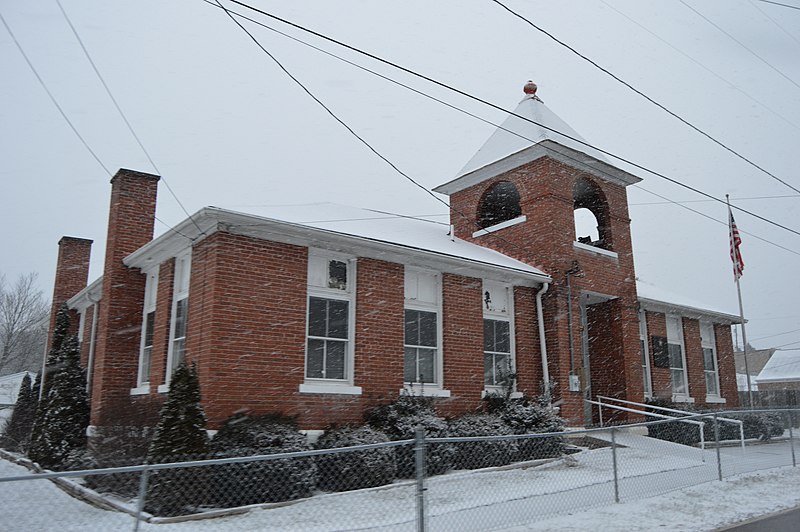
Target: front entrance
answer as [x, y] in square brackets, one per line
[602, 354]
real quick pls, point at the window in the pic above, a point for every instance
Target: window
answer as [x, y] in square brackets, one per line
[148, 322]
[329, 338]
[646, 376]
[499, 204]
[498, 360]
[420, 347]
[677, 361]
[710, 367]
[422, 361]
[180, 310]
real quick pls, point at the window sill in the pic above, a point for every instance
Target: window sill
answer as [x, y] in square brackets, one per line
[498, 392]
[501, 225]
[424, 391]
[144, 389]
[163, 388]
[682, 399]
[330, 388]
[715, 399]
[595, 249]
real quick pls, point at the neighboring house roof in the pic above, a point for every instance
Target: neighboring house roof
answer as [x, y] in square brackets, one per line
[756, 360]
[657, 299]
[741, 382]
[9, 387]
[783, 366]
[362, 232]
[531, 132]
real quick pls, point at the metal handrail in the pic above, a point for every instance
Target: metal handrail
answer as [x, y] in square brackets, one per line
[676, 411]
[700, 424]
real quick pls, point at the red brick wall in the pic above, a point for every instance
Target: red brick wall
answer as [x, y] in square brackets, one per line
[72, 274]
[130, 226]
[694, 360]
[546, 240]
[526, 335]
[727, 368]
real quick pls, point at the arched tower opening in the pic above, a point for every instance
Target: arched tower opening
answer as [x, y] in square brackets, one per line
[499, 203]
[591, 215]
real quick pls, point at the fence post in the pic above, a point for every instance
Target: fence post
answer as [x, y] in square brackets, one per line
[419, 460]
[142, 496]
[716, 442]
[614, 462]
[791, 436]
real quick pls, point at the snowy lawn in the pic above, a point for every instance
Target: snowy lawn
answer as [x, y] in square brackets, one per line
[555, 496]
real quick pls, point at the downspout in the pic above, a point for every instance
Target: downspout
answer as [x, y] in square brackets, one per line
[542, 341]
[92, 337]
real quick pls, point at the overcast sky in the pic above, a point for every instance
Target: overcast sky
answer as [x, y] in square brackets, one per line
[226, 127]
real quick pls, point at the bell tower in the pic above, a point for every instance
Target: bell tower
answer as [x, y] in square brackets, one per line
[536, 191]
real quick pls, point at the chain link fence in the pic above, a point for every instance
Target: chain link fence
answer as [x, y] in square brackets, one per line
[464, 483]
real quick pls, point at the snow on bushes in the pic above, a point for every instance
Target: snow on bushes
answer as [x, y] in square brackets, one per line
[400, 420]
[264, 480]
[485, 453]
[530, 416]
[358, 469]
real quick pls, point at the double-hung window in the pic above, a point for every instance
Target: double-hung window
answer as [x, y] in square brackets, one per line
[148, 322]
[647, 381]
[710, 367]
[498, 351]
[180, 310]
[677, 358]
[422, 358]
[329, 333]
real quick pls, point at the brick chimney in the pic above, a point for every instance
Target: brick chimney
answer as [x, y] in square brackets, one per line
[130, 226]
[72, 274]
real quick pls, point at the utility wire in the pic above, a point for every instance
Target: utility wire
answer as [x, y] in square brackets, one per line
[704, 67]
[774, 335]
[784, 30]
[52, 98]
[779, 4]
[499, 108]
[122, 114]
[740, 43]
[646, 97]
[725, 223]
[793, 196]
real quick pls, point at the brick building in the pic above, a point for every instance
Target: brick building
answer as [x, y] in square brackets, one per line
[321, 311]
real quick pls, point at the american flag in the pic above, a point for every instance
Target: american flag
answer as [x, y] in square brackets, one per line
[736, 241]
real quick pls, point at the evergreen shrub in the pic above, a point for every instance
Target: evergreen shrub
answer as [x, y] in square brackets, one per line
[400, 419]
[17, 431]
[265, 480]
[488, 453]
[358, 469]
[529, 416]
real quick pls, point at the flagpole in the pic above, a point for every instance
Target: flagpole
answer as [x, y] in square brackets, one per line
[741, 310]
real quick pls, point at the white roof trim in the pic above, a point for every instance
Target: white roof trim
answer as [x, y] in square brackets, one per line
[212, 219]
[686, 311]
[545, 148]
[88, 296]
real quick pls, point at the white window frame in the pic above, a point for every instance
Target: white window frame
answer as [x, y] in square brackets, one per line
[145, 359]
[180, 292]
[411, 287]
[671, 339]
[315, 288]
[708, 341]
[647, 376]
[506, 315]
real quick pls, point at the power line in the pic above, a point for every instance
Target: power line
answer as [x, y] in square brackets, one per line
[725, 223]
[704, 67]
[643, 95]
[52, 98]
[480, 100]
[122, 114]
[499, 108]
[779, 4]
[740, 43]
[793, 196]
[788, 34]
[774, 335]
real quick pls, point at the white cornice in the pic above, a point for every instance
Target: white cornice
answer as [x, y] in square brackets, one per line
[665, 307]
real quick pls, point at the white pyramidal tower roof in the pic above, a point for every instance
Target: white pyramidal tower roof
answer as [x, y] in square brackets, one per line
[530, 132]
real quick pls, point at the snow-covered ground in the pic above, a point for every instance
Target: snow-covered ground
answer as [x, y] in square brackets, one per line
[661, 484]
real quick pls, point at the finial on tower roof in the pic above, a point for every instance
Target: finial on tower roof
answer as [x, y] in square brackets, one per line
[530, 90]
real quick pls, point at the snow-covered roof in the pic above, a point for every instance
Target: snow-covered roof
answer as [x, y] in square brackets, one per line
[783, 366]
[659, 300]
[420, 241]
[741, 382]
[530, 132]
